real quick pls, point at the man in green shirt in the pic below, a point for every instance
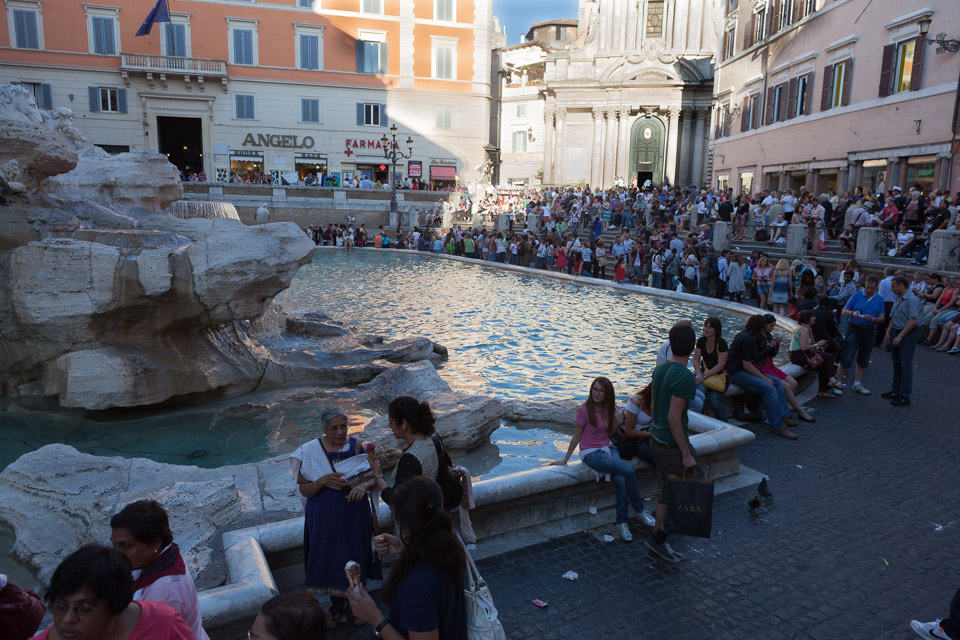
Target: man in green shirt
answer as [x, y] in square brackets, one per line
[674, 386]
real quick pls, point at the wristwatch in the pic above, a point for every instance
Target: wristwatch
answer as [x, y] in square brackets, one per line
[381, 627]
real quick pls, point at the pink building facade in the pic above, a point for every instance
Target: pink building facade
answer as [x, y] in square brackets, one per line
[835, 94]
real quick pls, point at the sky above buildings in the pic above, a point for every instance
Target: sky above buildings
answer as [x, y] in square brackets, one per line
[518, 15]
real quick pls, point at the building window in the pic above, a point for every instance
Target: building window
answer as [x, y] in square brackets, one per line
[175, 40]
[746, 182]
[786, 11]
[445, 10]
[777, 105]
[731, 6]
[26, 33]
[521, 110]
[243, 41]
[103, 35]
[371, 6]
[310, 110]
[444, 59]
[371, 115]
[561, 33]
[245, 110]
[443, 118]
[309, 49]
[803, 96]
[810, 6]
[307, 4]
[726, 50]
[903, 72]
[42, 93]
[836, 80]
[759, 25]
[108, 99]
[372, 57]
[519, 142]
[655, 18]
[750, 113]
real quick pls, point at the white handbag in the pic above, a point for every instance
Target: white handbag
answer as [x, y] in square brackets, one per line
[482, 622]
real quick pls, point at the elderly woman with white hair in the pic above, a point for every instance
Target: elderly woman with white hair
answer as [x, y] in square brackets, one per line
[333, 476]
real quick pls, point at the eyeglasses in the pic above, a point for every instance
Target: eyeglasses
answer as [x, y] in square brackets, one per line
[82, 609]
[600, 389]
[339, 427]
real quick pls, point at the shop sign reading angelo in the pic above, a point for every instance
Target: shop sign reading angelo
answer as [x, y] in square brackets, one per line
[278, 141]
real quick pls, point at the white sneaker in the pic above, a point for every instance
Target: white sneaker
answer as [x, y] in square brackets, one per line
[648, 520]
[929, 629]
[859, 388]
[837, 392]
[625, 532]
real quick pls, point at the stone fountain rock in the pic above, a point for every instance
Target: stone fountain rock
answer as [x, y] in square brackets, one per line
[114, 292]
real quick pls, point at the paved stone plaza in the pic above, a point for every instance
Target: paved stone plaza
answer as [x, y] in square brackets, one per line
[862, 535]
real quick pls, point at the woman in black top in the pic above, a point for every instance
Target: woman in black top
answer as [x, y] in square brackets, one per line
[709, 359]
[425, 586]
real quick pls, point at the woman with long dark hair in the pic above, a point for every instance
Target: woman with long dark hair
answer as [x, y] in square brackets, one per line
[709, 361]
[595, 424]
[425, 587]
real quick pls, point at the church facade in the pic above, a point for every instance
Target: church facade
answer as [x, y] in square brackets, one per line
[631, 97]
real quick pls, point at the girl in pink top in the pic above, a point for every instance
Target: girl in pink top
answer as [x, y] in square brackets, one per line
[595, 422]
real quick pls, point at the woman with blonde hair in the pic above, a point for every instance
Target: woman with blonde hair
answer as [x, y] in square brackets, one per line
[781, 287]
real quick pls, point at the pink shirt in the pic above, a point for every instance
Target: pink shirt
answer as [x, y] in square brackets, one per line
[593, 437]
[158, 622]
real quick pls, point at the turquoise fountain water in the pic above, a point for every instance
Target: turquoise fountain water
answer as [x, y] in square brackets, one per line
[509, 336]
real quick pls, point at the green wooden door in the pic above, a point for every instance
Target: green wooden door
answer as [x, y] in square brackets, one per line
[647, 138]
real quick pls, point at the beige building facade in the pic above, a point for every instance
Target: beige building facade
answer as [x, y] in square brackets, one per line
[835, 94]
[630, 98]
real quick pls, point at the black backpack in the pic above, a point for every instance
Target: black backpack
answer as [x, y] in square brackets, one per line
[449, 478]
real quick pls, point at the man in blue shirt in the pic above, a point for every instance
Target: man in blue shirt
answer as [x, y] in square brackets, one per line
[865, 311]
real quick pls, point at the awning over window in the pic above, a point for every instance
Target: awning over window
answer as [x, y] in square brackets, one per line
[443, 173]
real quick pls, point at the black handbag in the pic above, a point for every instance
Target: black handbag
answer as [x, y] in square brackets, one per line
[449, 479]
[689, 505]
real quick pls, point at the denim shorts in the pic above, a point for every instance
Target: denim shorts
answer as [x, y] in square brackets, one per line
[763, 289]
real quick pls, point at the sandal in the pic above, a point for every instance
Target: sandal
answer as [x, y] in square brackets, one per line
[826, 394]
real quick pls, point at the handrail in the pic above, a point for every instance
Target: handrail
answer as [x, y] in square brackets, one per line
[173, 64]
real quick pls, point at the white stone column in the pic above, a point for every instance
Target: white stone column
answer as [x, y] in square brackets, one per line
[633, 20]
[623, 145]
[596, 155]
[699, 157]
[559, 175]
[548, 115]
[685, 173]
[609, 149]
[673, 131]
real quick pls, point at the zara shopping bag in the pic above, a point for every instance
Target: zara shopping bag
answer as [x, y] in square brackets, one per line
[689, 505]
[482, 622]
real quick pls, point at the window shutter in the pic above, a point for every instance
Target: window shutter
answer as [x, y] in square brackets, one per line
[305, 110]
[770, 95]
[179, 40]
[918, 47]
[748, 36]
[774, 17]
[808, 99]
[46, 96]
[304, 52]
[360, 114]
[383, 115]
[744, 115]
[886, 69]
[108, 47]
[97, 35]
[797, 9]
[723, 47]
[826, 96]
[359, 56]
[237, 46]
[122, 100]
[384, 60]
[94, 93]
[845, 87]
[792, 99]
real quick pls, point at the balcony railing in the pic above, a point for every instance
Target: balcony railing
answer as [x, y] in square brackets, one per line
[173, 64]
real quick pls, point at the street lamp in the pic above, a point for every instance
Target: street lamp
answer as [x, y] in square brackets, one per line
[392, 153]
[943, 43]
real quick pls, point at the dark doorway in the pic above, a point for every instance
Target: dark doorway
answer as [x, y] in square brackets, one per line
[643, 176]
[181, 140]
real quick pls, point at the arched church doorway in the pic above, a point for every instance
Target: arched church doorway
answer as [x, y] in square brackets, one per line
[647, 139]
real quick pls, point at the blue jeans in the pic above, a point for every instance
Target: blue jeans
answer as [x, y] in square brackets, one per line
[655, 279]
[773, 397]
[624, 479]
[716, 401]
[696, 405]
[903, 363]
